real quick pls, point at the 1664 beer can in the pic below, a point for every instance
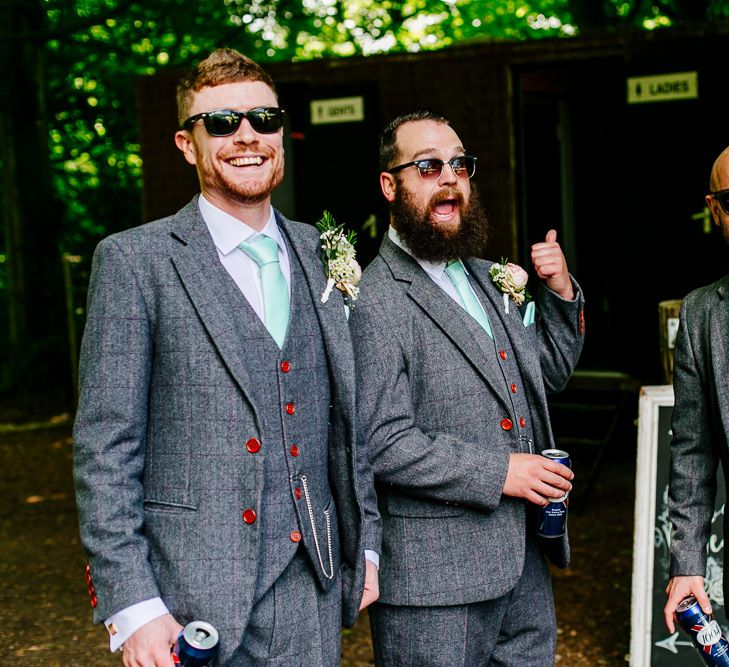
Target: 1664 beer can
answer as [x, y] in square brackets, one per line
[552, 518]
[196, 646]
[704, 631]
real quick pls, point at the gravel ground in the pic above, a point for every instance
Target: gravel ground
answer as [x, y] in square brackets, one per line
[44, 611]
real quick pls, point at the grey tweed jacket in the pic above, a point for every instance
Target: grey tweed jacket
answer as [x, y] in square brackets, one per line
[167, 405]
[700, 425]
[430, 401]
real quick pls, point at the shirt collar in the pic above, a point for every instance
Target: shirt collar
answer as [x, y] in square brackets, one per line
[434, 269]
[229, 232]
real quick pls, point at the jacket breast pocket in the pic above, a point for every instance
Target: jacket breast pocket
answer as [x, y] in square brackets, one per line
[167, 506]
[398, 505]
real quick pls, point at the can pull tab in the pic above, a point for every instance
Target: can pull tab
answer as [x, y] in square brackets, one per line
[201, 635]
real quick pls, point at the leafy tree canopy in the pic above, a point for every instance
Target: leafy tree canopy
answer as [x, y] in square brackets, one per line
[69, 144]
[96, 49]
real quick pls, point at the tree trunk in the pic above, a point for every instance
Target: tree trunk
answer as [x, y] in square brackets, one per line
[30, 219]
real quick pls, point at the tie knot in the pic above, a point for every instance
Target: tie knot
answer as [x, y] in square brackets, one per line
[262, 249]
[455, 271]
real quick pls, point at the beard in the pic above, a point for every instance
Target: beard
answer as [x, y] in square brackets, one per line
[430, 242]
[242, 192]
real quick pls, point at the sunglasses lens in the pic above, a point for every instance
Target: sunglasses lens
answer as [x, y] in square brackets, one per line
[723, 200]
[464, 166]
[265, 120]
[221, 123]
[430, 170]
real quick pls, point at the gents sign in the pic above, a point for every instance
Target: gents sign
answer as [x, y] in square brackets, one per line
[663, 87]
[339, 110]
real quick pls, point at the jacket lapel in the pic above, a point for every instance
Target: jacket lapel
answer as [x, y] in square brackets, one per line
[214, 295]
[461, 328]
[719, 337]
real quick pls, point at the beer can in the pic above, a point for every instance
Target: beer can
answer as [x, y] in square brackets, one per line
[196, 646]
[552, 518]
[704, 631]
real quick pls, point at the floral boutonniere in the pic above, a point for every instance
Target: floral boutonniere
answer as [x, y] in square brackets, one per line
[338, 255]
[511, 279]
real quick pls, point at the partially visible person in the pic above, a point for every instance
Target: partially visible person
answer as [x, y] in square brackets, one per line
[700, 422]
[452, 379]
[216, 467]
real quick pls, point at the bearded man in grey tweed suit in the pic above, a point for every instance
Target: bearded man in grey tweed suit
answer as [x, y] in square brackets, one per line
[452, 406]
[700, 420]
[216, 467]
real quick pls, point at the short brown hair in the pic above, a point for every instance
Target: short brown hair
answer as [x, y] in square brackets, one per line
[221, 66]
[388, 138]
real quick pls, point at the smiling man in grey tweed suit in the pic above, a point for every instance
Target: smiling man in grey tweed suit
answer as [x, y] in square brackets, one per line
[452, 406]
[700, 419]
[216, 467]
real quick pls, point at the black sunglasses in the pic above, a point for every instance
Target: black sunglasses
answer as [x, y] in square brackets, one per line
[722, 196]
[224, 122]
[430, 169]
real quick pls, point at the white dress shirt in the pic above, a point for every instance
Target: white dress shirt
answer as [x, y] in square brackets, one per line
[228, 233]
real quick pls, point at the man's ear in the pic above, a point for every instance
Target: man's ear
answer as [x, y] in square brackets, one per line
[712, 204]
[183, 141]
[388, 185]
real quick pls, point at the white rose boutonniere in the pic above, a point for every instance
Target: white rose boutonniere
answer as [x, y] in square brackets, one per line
[338, 255]
[511, 279]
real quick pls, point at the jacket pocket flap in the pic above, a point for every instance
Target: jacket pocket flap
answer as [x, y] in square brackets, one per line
[398, 505]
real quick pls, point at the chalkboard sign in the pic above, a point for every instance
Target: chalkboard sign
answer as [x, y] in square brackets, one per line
[651, 645]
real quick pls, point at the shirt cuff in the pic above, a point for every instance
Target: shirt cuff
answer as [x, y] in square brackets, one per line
[373, 557]
[126, 622]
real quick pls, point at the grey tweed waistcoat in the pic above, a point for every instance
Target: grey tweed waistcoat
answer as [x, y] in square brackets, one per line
[296, 500]
[500, 348]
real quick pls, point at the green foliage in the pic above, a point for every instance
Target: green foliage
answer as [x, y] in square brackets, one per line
[97, 48]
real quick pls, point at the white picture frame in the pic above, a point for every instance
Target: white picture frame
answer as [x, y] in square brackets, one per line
[652, 398]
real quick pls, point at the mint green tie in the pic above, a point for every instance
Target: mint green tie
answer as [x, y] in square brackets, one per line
[473, 306]
[264, 251]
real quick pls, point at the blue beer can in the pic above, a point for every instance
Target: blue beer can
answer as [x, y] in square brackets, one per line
[196, 646]
[704, 631]
[552, 518]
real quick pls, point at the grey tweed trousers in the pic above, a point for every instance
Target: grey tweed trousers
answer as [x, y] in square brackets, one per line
[517, 629]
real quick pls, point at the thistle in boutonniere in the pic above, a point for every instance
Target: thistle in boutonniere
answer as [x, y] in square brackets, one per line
[338, 255]
[511, 279]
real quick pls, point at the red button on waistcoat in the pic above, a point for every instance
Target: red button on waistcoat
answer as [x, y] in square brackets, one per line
[507, 424]
[513, 389]
[295, 536]
[290, 408]
[502, 354]
[294, 450]
[88, 575]
[253, 446]
[285, 366]
[297, 493]
[522, 422]
[94, 602]
[249, 516]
